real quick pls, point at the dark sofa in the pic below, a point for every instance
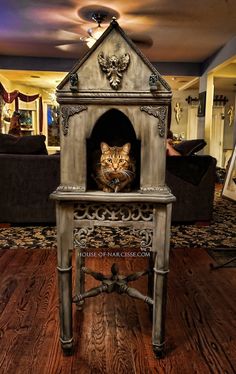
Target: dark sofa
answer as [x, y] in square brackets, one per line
[26, 182]
[192, 180]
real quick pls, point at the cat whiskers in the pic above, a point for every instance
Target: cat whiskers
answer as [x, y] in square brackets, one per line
[127, 173]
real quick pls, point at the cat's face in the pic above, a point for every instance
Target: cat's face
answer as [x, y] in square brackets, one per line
[115, 159]
[116, 169]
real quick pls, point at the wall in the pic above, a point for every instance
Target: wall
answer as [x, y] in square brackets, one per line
[180, 97]
[27, 90]
[228, 130]
[181, 127]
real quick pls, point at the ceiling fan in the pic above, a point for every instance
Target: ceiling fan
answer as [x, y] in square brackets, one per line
[102, 16]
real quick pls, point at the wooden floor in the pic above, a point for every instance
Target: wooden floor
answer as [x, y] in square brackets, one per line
[113, 333]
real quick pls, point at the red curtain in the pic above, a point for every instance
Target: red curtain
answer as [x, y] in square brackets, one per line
[8, 97]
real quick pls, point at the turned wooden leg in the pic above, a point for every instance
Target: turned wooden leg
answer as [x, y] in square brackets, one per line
[161, 240]
[80, 277]
[150, 274]
[64, 267]
[80, 237]
[150, 282]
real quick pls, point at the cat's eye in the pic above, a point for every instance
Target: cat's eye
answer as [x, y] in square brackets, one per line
[109, 160]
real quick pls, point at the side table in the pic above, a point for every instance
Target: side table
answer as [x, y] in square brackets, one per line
[148, 215]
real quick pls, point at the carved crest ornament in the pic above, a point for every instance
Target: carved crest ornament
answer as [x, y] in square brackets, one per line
[113, 67]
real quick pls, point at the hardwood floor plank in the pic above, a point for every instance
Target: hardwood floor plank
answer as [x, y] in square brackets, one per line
[113, 332]
[201, 306]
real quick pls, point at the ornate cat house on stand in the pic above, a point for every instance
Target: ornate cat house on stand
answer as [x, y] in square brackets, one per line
[113, 101]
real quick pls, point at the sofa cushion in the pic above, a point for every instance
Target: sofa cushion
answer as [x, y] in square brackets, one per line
[189, 147]
[27, 145]
[190, 169]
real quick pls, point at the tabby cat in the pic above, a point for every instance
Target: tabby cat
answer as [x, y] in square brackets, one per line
[116, 169]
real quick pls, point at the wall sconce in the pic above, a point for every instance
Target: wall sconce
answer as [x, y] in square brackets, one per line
[191, 100]
[220, 100]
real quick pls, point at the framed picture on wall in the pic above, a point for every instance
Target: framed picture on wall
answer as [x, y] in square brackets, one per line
[53, 130]
[202, 104]
[27, 121]
[229, 189]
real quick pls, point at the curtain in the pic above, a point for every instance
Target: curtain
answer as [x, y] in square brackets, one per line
[9, 97]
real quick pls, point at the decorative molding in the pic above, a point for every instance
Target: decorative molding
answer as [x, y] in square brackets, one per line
[80, 236]
[67, 112]
[160, 113]
[114, 94]
[146, 238]
[141, 214]
[70, 188]
[113, 67]
[114, 212]
[161, 189]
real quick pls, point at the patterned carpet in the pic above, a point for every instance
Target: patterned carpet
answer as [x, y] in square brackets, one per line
[221, 233]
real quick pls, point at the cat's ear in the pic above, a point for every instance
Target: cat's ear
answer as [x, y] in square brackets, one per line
[126, 148]
[104, 147]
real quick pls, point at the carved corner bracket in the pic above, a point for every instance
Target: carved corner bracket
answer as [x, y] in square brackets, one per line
[113, 67]
[160, 113]
[67, 112]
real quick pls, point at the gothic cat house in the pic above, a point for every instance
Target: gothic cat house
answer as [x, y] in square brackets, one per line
[114, 114]
[113, 95]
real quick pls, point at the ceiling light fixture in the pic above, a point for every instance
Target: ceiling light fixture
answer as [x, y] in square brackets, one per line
[95, 32]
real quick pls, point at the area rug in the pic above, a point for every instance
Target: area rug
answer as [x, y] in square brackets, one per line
[220, 233]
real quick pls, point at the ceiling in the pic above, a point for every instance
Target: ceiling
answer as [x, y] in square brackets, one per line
[182, 30]
[165, 30]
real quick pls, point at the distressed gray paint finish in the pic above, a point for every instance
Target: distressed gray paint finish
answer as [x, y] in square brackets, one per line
[64, 214]
[145, 101]
[73, 145]
[161, 114]
[149, 217]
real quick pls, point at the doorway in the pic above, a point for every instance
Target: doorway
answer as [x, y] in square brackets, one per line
[192, 125]
[217, 134]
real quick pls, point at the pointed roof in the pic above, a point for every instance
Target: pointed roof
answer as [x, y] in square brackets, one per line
[114, 25]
